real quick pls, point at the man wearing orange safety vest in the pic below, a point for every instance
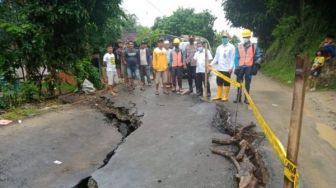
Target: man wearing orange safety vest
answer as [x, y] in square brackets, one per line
[246, 59]
[177, 66]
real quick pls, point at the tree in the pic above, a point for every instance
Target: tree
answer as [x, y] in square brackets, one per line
[186, 21]
[54, 35]
[148, 35]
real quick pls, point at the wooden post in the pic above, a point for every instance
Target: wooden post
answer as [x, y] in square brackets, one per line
[205, 90]
[296, 115]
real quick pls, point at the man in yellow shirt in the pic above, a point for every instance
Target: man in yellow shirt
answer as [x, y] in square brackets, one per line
[160, 65]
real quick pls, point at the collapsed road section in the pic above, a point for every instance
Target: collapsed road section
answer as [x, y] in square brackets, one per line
[241, 148]
[125, 117]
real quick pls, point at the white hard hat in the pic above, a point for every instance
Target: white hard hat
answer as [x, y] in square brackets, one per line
[166, 42]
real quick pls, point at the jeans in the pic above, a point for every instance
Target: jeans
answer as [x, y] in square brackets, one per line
[144, 73]
[177, 74]
[244, 75]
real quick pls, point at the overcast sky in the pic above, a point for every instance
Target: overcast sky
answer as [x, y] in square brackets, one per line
[148, 10]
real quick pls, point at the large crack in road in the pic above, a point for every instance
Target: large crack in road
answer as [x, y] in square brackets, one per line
[125, 118]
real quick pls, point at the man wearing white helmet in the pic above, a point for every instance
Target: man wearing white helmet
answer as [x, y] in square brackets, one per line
[224, 63]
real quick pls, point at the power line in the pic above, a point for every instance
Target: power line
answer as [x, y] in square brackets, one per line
[155, 7]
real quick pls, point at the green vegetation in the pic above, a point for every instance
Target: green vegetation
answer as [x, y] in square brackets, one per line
[186, 21]
[284, 29]
[43, 37]
[19, 113]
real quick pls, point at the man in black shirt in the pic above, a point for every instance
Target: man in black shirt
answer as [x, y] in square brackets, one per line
[132, 57]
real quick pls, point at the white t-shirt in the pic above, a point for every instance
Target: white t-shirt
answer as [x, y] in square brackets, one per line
[109, 60]
[224, 58]
[200, 60]
[143, 57]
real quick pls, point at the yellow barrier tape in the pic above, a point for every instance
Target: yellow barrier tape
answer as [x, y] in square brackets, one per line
[290, 169]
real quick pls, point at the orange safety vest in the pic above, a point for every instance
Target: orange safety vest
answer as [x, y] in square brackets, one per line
[177, 58]
[246, 57]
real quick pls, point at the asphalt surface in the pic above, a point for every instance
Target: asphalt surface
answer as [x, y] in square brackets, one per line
[170, 149]
[77, 136]
[318, 138]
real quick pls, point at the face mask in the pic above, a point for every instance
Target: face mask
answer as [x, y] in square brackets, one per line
[246, 40]
[225, 40]
[200, 49]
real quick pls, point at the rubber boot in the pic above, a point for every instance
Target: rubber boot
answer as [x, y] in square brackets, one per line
[246, 101]
[226, 93]
[219, 93]
[238, 98]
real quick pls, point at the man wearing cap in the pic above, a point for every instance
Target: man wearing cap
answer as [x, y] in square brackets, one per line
[160, 65]
[224, 63]
[190, 63]
[247, 54]
[145, 61]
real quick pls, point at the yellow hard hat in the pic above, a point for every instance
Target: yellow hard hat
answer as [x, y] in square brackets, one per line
[176, 41]
[246, 33]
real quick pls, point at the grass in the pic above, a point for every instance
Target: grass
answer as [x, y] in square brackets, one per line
[280, 56]
[19, 113]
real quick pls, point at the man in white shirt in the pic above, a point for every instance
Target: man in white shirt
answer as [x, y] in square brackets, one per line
[224, 63]
[111, 71]
[199, 57]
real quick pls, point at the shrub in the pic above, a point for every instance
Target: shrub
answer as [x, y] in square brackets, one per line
[85, 70]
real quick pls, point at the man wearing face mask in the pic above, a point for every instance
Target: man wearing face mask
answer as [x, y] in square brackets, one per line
[200, 68]
[224, 63]
[189, 63]
[247, 54]
[177, 66]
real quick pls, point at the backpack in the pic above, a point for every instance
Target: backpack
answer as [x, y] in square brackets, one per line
[255, 66]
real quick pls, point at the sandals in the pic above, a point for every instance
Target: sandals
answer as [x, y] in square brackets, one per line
[157, 93]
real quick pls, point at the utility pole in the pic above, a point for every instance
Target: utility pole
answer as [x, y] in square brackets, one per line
[205, 90]
[297, 111]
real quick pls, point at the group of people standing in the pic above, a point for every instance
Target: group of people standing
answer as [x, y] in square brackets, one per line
[168, 63]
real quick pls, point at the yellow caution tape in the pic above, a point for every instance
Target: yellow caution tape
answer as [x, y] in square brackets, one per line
[290, 169]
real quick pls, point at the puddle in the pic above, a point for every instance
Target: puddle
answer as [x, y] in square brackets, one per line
[327, 133]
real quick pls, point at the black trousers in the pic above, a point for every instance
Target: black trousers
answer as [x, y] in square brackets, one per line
[220, 81]
[200, 83]
[191, 71]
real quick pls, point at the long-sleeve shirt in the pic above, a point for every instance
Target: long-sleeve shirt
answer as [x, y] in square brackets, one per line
[224, 57]
[256, 58]
[160, 60]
